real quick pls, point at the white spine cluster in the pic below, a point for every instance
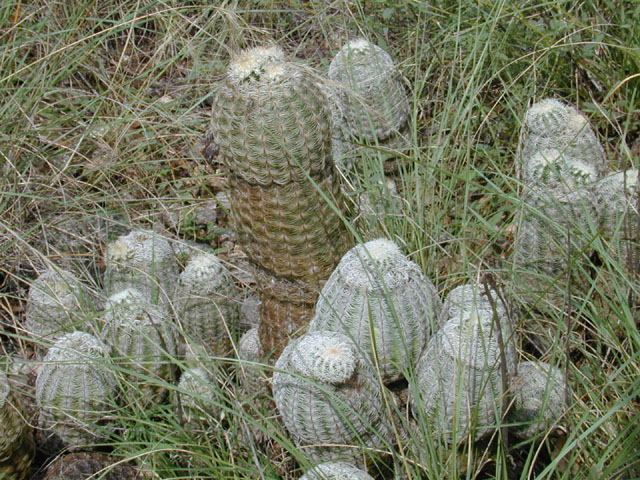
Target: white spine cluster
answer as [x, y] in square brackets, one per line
[381, 300]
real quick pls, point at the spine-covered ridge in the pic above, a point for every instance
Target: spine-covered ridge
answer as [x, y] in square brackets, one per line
[17, 448]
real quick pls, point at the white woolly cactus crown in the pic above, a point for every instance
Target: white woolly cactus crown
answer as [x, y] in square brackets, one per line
[374, 264]
[336, 471]
[205, 273]
[324, 356]
[256, 64]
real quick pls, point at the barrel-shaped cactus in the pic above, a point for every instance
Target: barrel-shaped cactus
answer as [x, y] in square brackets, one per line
[206, 304]
[469, 297]
[540, 392]
[142, 260]
[461, 376]
[382, 300]
[57, 304]
[328, 395]
[143, 339]
[16, 442]
[271, 123]
[370, 91]
[336, 471]
[75, 388]
[195, 400]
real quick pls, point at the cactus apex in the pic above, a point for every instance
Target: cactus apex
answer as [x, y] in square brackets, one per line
[258, 63]
[336, 471]
[547, 117]
[325, 356]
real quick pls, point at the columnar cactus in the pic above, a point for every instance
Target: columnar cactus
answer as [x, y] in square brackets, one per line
[75, 388]
[271, 123]
[381, 300]
[143, 340]
[539, 391]
[336, 471]
[370, 91]
[16, 440]
[328, 395]
[461, 375]
[57, 304]
[142, 260]
[206, 304]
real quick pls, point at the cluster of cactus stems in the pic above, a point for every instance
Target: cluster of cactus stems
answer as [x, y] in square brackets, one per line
[463, 372]
[271, 122]
[75, 389]
[328, 395]
[382, 300]
[17, 448]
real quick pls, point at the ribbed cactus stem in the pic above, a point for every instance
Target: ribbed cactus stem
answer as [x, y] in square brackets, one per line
[271, 123]
[328, 395]
[143, 339]
[142, 260]
[75, 387]
[196, 400]
[16, 441]
[206, 304]
[381, 300]
[336, 471]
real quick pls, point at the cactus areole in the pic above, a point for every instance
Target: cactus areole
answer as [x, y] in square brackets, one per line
[271, 123]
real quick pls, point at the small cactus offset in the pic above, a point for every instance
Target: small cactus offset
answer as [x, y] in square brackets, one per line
[57, 304]
[16, 439]
[336, 471]
[328, 395]
[461, 376]
[540, 391]
[75, 388]
[195, 400]
[381, 300]
[271, 123]
[253, 377]
[206, 304]
[142, 260]
[143, 339]
[550, 124]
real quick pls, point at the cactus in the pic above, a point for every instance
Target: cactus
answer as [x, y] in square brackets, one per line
[81, 466]
[468, 297]
[252, 377]
[552, 125]
[195, 400]
[57, 303]
[74, 388]
[271, 122]
[381, 300]
[539, 391]
[17, 448]
[372, 97]
[250, 313]
[328, 395]
[461, 376]
[143, 339]
[617, 199]
[205, 304]
[335, 471]
[142, 260]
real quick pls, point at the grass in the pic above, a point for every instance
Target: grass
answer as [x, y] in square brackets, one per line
[104, 105]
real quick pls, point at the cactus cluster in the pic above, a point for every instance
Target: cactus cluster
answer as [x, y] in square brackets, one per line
[328, 395]
[205, 304]
[463, 371]
[16, 441]
[74, 388]
[143, 339]
[382, 300]
[271, 122]
[336, 471]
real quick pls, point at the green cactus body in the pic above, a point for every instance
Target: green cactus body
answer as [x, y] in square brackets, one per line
[328, 395]
[552, 125]
[460, 377]
[195, 400]
[539, 391]
[271, 122]
[57, 304]
[206, 304]
[142, 260]
[16, 442]
[143, 340]
[75, 388]
[372, 97]
[616, 198]
[381, 300]
[336, 471]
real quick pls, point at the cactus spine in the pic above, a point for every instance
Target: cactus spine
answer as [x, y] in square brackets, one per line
[271, 122]
[74, 388]
[142, 260]
[206, 305]
[143, 340]
[336, 471]
[16, 442]
[381, 300]
[328, 395]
